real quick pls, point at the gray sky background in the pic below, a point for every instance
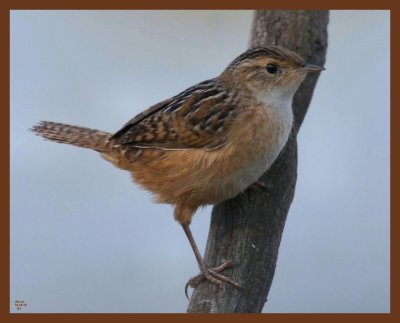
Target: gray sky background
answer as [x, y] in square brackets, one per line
[85, 239]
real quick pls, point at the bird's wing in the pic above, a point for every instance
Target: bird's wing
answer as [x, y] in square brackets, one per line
[199, 117]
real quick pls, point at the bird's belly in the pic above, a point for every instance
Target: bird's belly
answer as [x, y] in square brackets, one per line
[258, 152]
[200, 177]
[243, 177]
[251, 173]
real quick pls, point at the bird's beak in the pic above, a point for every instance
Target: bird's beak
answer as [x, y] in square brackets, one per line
[310, 68]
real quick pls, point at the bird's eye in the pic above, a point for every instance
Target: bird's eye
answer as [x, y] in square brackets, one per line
[272, 68]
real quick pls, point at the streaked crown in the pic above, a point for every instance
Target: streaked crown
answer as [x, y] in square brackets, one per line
[274, 52]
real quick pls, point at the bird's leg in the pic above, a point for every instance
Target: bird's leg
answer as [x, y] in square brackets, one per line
[211, 274]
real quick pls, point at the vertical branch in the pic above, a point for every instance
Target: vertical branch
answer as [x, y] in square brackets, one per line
[248, 228]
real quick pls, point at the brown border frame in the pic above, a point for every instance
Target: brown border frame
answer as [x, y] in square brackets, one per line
[7, 5]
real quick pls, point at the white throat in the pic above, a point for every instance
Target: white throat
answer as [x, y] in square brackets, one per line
[277, 99]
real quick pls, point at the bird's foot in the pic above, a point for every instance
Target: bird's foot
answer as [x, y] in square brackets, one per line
[258, 185]
[212, 275]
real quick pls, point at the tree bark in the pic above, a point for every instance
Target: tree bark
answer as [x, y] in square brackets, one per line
[248, 228]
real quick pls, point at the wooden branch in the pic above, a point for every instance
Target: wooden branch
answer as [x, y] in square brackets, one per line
[248, 228]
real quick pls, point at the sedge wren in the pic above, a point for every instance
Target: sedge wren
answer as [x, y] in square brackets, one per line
[208, 143]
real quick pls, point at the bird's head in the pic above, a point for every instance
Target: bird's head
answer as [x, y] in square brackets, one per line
[269, 70]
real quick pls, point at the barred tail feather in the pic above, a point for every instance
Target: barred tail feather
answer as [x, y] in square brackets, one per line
[73, 135]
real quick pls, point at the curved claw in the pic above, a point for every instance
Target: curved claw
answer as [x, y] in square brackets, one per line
[186, 290]
[212, 275]
[193, 282]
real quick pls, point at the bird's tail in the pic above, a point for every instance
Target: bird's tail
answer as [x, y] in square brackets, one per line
[73, 135]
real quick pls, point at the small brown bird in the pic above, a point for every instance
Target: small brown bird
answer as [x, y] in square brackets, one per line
[208, 143]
